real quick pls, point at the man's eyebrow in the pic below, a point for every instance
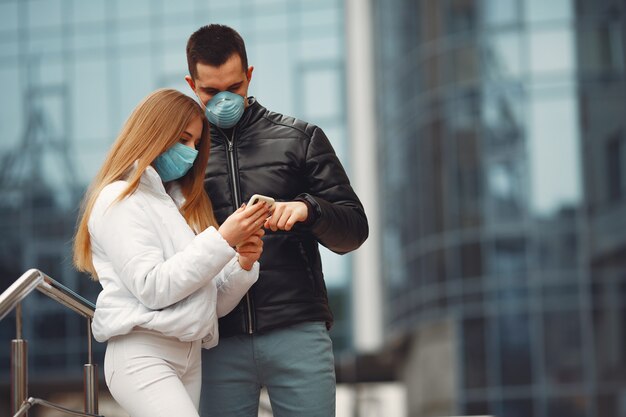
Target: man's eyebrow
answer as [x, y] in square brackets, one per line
[235, 85]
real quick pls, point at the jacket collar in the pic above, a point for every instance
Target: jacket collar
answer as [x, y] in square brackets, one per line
[253, 112]
[152, 181]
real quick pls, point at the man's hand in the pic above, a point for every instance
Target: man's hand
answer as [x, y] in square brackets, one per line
[250, 250]
[285, 215]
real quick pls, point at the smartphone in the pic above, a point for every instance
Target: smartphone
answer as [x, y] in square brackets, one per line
[256, 198]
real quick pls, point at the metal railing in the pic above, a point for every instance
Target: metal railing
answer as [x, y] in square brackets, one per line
[31, 280]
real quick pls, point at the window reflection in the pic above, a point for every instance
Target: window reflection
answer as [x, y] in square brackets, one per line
[506, 189]
[471, 260]
[501, 12]
[8, 17]
[609, 319]
[518, 408]
[562, 339]
[503, 118]
[475, 353]
[503, 56]
[608, 405]
[616, 167]
[601, 47]
[42, 14]
[574, 406]
[541, 10]
[551, 52]
[463, 65]
[553, 139]
[515, 342]
[461, 16]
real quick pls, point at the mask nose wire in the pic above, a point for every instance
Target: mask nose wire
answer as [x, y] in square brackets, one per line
[204, 106]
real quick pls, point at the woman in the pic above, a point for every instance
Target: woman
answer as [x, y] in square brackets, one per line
[148, 234]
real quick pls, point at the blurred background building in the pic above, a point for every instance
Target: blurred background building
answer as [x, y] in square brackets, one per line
[497, 266]
[502, 129]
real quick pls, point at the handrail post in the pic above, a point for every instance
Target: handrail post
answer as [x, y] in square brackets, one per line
[19, 364]
[10, 299]
[90, 378]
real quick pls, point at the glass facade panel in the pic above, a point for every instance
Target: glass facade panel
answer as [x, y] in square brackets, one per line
[505, 185]
[93, 75]
[515, 350]
[43, 13]
[133, 10]
[569, 406]
[518, 408]
[501, 12]
[551, 52]
[475, 353]
[82, 12]
[315, 86]
[616, 167]
[92, 41]
[461, 16]
[554, 136]
[463, 65]
[503, 51]
[539, 10]
[9, 18]
[11, 116]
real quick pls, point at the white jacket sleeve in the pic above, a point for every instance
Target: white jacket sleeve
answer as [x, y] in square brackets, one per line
[129, 238]
[232, 285]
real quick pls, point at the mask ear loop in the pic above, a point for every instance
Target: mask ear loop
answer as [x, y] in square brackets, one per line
[205, 107]
[200, 101]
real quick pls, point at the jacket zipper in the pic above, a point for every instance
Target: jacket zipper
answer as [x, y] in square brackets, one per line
[236, 194]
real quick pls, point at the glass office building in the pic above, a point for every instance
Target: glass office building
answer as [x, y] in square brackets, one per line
[71, 73]
[502, 143]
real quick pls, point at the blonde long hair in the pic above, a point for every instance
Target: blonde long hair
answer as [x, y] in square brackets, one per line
[155, 125]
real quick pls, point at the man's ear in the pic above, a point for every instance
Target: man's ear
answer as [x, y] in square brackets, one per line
[189, 80]
[249, 73]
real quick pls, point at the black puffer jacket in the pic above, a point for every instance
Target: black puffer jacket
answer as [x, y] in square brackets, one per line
[287, 159]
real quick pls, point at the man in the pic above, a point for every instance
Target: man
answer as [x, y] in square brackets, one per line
[277, 337]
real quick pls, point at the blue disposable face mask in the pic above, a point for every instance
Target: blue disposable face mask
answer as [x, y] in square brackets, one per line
[225, 109]
[175, 162]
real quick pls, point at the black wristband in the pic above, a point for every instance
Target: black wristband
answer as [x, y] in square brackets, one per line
[314, 211]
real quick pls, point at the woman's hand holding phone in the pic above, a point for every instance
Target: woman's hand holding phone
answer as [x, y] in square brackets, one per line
[244, 223]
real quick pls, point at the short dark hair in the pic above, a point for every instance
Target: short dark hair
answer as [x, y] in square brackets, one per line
[213, 45]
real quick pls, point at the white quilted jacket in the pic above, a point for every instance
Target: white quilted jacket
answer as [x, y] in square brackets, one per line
[155, 272]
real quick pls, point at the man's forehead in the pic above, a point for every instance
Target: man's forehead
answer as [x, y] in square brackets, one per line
[223, 76]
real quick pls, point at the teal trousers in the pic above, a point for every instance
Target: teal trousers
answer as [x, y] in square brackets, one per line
[295, 364]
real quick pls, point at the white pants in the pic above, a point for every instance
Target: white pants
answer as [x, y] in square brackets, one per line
[153, 375]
